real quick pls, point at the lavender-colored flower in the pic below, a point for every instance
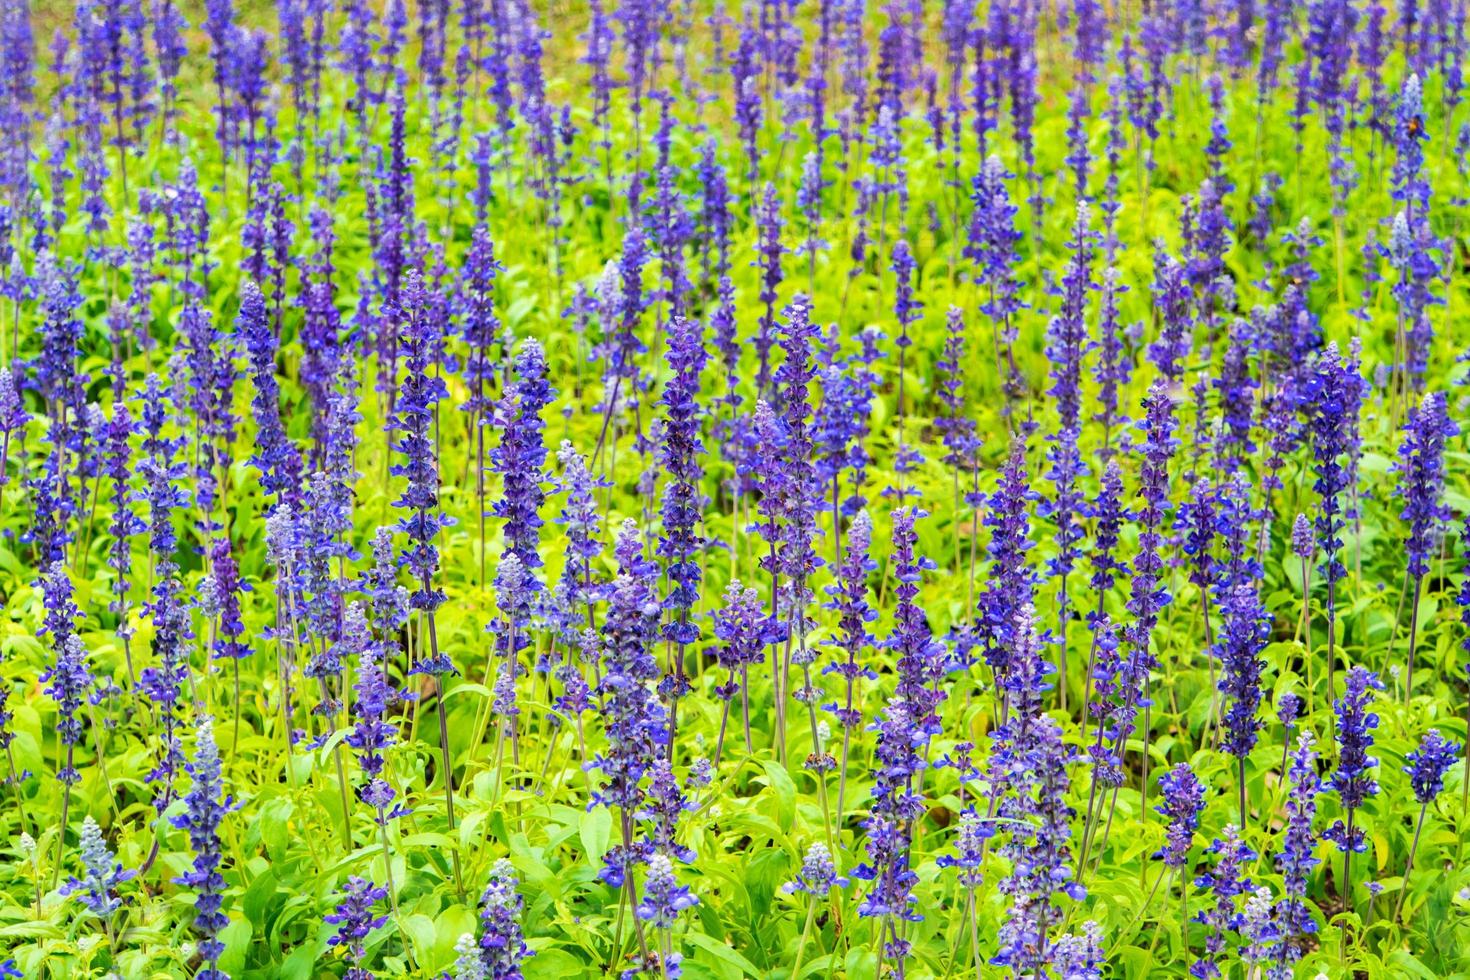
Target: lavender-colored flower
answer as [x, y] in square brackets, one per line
[205, 806]
[1246, 628]
[769, 224]
[354, 918]
[101, 875]
[1331, 397]
[680, 454]
[70, 676]
[636, 723]
[663, 897]
[818, 875]
[227, 587]
[414, 419]
[502, 945]
[1352, 780]
[849, 599]
[1028, 774]
[991, 245]
[1428, 764]
[372, 732]
[1302, 543]
[1171, 294]
[969, 848]
[1298, 850]
[1421, 469]
[582, 522]
[1184, 798]
[1228, 881]
[1012, 580]
[275, 455]
[520, 459]
[1288, 709]
[1080, 957]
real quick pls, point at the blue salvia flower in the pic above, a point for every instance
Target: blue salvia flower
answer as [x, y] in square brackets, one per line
[666, 804]
[1228, 881]
[225, 575]
[796, 559]
[1114, 364]
[205, 806]
[512, 595]
[354, 918]
[744, 629]
[210, 374]
[1029, 764]
[1330, 398]
[163, 682]
[69, 678]
[1110, 515]
[467, 962]
[1352, 780]
[413, 419]
[663, 897]
[55, 368]
[636, 723]
[956, 428]
[582, 522]
[991, 245]
[1107, 704]
[275, 455]
[1067, 340]
[1012, 580]
[818, 875]
[1080, 957]
[502, 945]
[1261, 934]
[1428, 764]
[1421, 470]
[1148, 595]
[1237, 398]
[768, 228]
[520, 460]
[372, 732]
[1183, 799]
[682, 502]
[1298, 856]
[13, 419]
[1172, 298]
[1411, 241]
[969, 849]
[1426, 767]
[1246, 627]
[101, 875]
[117, 465]
[1421, 483]
[849, 599]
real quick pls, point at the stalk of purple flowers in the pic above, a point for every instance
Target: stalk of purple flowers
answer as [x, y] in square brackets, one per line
[205, 807]
[1352, 780]
[1426, 767]
[1421, 467]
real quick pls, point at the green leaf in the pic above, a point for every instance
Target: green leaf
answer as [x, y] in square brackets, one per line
[721, 953]
[421, 932]
[596, 831]
[236, 936]
[553, 964]
[298, 965]
[258, 896]
[780, 783]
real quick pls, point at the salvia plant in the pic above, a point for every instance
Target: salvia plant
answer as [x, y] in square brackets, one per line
[768, 490]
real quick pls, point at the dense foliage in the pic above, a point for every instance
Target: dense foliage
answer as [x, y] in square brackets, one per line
[817, 489]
